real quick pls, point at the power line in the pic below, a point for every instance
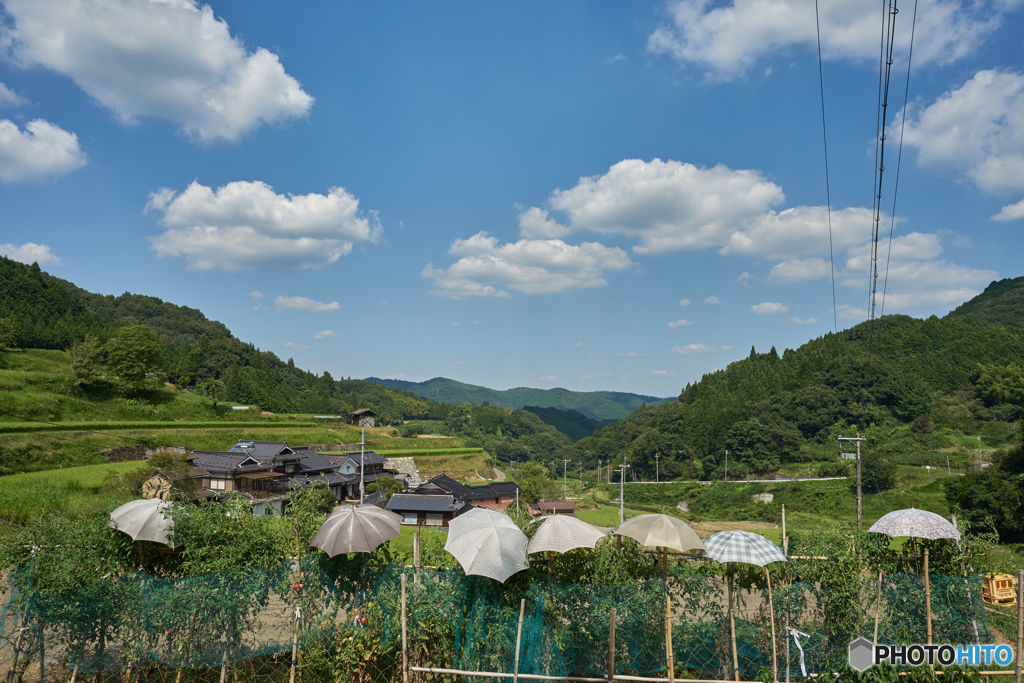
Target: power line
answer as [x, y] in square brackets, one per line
[828, 189]
[899, 156]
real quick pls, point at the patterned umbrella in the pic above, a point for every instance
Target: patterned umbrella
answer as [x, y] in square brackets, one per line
[487, 543]
[144, 520]
[660, 531]
[562, 533]
[742, 546]
[356, 529]
[748, 548]
[915, 523]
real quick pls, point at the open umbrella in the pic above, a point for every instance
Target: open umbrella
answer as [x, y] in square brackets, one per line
[144, 520]
[356, 529]
[743, 546]
[914, 523]
[661, 531]
[562, 533]
[487, 543]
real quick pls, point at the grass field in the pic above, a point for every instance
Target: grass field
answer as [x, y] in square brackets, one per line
[69, 492]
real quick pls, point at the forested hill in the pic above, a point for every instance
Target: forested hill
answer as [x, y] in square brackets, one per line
[597, 405]
[38, 310]
[959, 372]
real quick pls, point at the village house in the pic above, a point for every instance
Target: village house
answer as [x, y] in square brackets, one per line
[419, 509]
[496, 495]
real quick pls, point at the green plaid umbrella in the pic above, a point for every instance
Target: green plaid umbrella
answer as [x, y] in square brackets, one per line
[742, 546]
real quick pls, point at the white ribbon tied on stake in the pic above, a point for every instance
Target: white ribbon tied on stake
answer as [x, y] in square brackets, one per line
[796, 639]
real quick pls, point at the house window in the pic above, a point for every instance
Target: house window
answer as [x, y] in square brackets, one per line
[218, 484]
[435, 519]
[410, 518]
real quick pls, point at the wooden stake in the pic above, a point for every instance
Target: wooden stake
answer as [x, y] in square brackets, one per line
[927, 596]
[416, 560]
[224, 668]
[177, 679]
[669, 654]
[611, 647]
[732, 631]
[785, 539]
[519, 636]
[74, 674]
[878, 606]
[771, 618]
[1020, 622]
[405, 642]
[785, 636]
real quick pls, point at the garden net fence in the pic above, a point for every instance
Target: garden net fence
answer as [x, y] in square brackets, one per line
[344, 620]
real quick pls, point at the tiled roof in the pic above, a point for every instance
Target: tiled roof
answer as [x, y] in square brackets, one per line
[217, 461]
[314, 462]
[412, 502]
[555, 506]
[479, 492]
[450, 485]
[506, 488]
[369, 457]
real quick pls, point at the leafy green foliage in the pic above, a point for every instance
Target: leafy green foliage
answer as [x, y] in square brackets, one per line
[534, 481]
[133, 356]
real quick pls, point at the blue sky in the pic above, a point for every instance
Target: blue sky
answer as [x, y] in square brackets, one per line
[593, 195]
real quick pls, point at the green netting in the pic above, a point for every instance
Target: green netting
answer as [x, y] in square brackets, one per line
[349, 618]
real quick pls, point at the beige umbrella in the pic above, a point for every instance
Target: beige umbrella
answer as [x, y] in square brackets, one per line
[562, 533]
[661, 531]
[356, 529]
[144, 520]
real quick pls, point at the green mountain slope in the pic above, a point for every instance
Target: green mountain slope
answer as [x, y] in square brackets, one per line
[911, 385]
[597, 405]
[1001, 302]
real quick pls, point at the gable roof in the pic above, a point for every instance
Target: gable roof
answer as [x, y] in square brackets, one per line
[224, 462]
[506, 488]
[448, 484]
[314, 462]
[414, 502]
[363, 411]
[368, 458]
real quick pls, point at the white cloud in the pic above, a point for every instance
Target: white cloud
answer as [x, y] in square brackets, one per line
[684, 302]
[630, 354]
[304, 303]
[293, 345]
[487, 268]
[664, 373]
[713, 300]
[247, 225]
[40, 152]
[769, 308]
[680, 323]
[1010, 212]
[848, 312]
[798, 231]
[29, 253]
[166, 58]
[535, 223]
[548, 378]
[795, 270]
[326, 334]
[689, 349]
[743, 279]
[9, 98]
[256, 294]
[727, 39]
[666, 205]
[977, 129]
[802, 321]
[454, 324]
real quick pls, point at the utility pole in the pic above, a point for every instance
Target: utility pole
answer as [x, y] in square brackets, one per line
[362, 465]
[657, 476]
[565, 485]
[860, 496]
[726, 477]
[581, 476]
[622, 492]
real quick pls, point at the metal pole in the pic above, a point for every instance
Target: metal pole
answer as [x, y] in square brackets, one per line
[860, 495]
[657, 476]
[725, 477]
[622, 492]
[362, 465]
[565, 485]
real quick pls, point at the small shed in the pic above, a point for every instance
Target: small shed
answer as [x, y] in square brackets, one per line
[364, 417]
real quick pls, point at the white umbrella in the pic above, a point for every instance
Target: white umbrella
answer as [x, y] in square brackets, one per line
[562, 533]
[487, 543]
[144, 520]
[661, 531]
[356, 529]
[916, 524]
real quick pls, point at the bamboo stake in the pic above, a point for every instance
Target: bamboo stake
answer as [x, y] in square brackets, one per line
[224, 667]
[878, 606]
[405, 642]
[670, 655]
[295, 629]
[771, 617]
[1020, 621]
[732, 630]
[177, 679]
[519, 636]
[611, 647]
[927, 596]
[785, 637]
[74, 674]
[581, 679]
[785, 539]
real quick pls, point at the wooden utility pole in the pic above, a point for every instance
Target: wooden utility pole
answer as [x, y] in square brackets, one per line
[860, 495]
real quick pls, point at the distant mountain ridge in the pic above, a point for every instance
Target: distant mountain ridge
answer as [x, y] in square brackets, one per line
[597, 405]
[1002, 302]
